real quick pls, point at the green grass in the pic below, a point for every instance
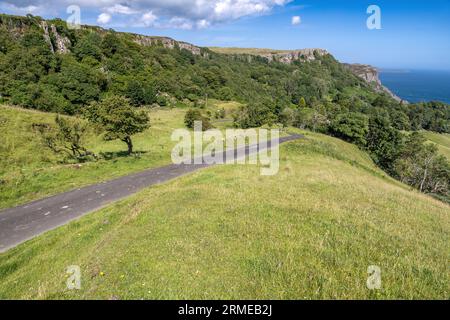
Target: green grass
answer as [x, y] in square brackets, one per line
[29, 171]
[226, 232]
[441, 140]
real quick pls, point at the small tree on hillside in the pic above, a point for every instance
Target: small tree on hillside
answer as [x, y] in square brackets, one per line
[421, 166]
[384, 142]
[119, 119]
[67, 137]
[352, 127]
[302, 103]
[287, 117]
[195, 115]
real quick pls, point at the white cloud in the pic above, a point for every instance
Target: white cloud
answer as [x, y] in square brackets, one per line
[202, 24]
[104, 18]
[180, 23]
[121, 9]
[149, 19]
[296, 20]
[171, 13]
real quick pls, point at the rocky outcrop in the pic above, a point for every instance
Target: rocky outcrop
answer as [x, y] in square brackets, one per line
[166, 43]
[47, 38]
[60, 44]
[297, 55]
[371, 75]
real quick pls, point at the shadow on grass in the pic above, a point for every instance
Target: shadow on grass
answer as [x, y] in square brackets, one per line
[120, 154]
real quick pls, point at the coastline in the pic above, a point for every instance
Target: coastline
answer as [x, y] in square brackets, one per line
[418, 85]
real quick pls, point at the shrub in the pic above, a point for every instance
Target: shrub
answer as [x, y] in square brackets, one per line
[352, 127]
[67, 138]
[118, 119]
[193, 115]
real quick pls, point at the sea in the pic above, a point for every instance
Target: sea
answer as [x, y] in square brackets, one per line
[418, 85]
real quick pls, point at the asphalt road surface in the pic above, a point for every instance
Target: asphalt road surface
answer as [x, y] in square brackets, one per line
[25, 222]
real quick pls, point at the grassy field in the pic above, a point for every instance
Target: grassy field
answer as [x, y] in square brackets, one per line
[29, 171]
[441, 140]
[309, 232]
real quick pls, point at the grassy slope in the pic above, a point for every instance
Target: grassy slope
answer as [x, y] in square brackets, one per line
[226, 232]
[29, 171]
[441, 140]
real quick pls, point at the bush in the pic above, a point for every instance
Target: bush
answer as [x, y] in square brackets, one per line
[384, 142]
[118, 119]
[193, 115]
[67, 138]
[351, 127]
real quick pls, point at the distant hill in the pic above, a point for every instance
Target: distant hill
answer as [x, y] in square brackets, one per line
[66, 69]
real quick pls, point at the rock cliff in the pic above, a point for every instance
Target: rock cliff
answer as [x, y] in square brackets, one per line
[296, 55]
[60, 44]
[167, 43]
[371, 75]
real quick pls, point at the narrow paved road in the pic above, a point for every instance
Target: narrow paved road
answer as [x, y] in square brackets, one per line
[23, 223]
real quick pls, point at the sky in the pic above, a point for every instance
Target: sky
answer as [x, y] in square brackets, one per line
[411, 34]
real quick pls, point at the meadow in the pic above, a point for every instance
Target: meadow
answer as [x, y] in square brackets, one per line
[225, 232]
[29, 171]
[442, 141]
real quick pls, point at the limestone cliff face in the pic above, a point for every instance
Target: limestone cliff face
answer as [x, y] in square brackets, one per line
[372, 76]
[167, 43]
[61, 44]
[296, 55]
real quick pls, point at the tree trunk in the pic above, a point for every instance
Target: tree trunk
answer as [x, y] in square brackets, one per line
[129, 143]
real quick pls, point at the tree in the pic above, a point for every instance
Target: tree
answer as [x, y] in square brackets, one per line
[420, 166]
[383, 142]
[140, 93]
[253, 116]
[193, 115]
[88, 46]
[352, 127]
[302, 103]
[119, 119]
[67, 137]
[287, 117]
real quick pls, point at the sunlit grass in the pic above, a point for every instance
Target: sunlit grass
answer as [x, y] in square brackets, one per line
[309, 232]
[441, 140]
[30, 171]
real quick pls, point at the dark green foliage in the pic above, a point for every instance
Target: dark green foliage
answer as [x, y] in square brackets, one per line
[352, 127]
[105, 62]
[432, 116]
[420, 165]
[320, 95]
[88, 47]
[254, 115]
[193, 115]
[140, 92]
[384, 142]
[287, 117]
[118, 119]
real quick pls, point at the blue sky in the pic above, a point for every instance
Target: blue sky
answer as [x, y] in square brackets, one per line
[415, 34]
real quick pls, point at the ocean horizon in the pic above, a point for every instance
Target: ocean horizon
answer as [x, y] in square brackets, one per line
[418, 85]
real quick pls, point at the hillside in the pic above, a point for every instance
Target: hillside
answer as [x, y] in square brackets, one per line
[226, 232]
[66, 69]
[441, 140]
[309, 232]
[29, 171]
